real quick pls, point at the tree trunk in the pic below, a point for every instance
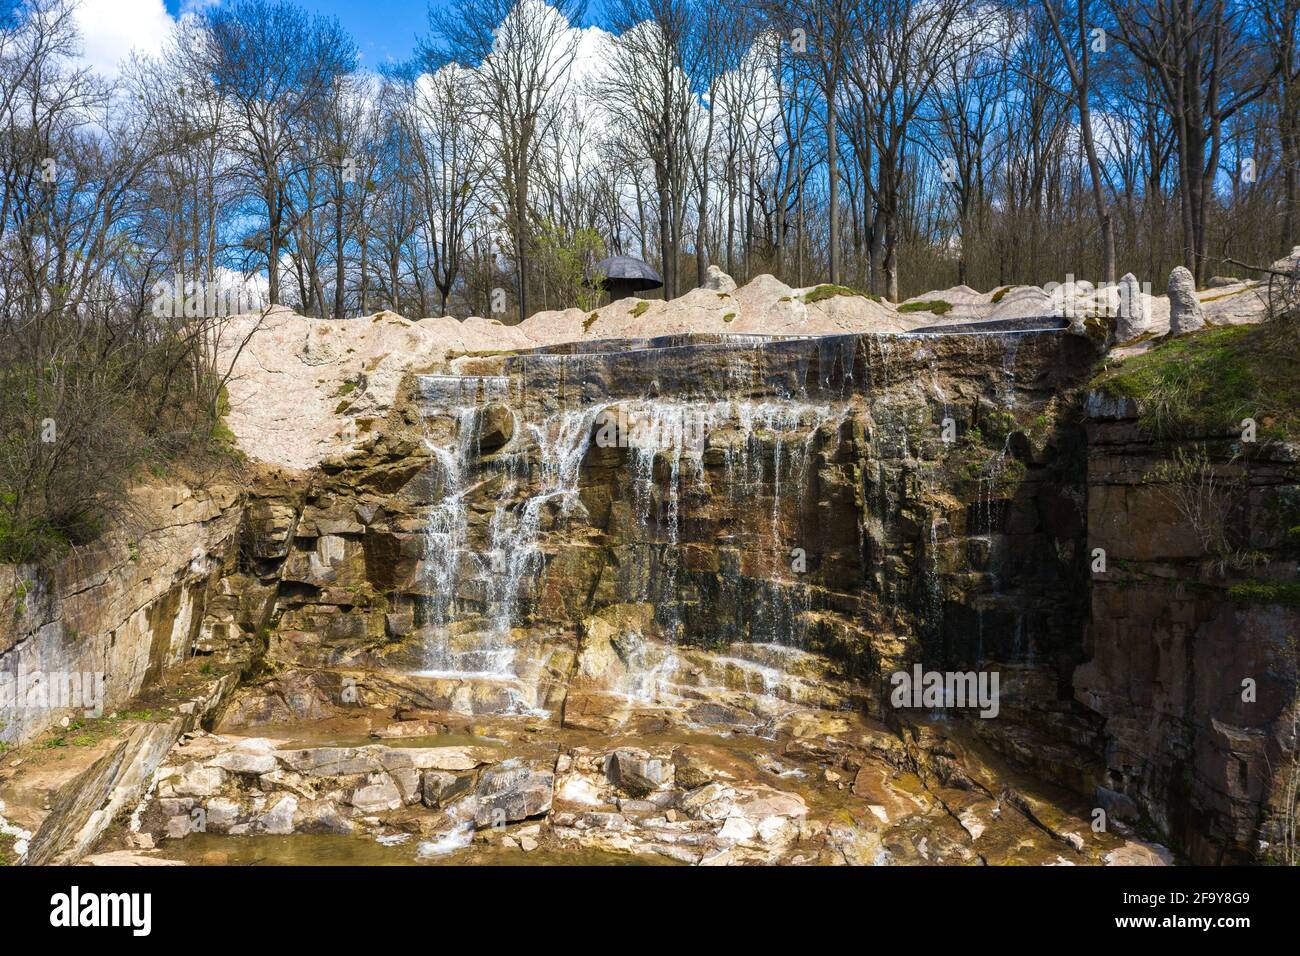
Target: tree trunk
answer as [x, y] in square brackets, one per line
[832, 173]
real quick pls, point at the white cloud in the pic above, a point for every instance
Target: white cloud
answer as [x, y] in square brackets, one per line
[112, 29]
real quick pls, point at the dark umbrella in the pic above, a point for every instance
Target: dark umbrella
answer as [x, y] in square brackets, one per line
[625, 275]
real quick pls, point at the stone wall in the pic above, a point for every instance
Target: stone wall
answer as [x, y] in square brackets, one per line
[1204, 759]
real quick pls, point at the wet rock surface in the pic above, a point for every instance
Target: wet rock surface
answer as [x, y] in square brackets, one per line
[485, 629]
[678, 797]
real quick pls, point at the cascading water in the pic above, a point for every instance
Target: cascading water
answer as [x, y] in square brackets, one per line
[445, 551]
[722, 467]
[505, 570]
[674, 433]
[515, 556]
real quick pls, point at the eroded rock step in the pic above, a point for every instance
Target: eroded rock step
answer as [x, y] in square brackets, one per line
[826, 788]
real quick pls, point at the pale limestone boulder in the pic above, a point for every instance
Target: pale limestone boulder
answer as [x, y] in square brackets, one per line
[1133, 313]
[718, 281]
[378, 795]
[1185, 314]
[279, 819]
[512, 792]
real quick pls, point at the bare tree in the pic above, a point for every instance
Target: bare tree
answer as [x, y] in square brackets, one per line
[271, 96]
[449, 165]
[1206, 71]
[521, 52]
[893, 74]
[1080, 77]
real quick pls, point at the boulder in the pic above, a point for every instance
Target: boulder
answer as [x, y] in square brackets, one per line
[511, 792]
[1134, 314]
[435, 758]
[408, 783]
[330, 761]
[715, 280]
[321, 816]
[279, 819]
[222, 814]
[440, 787]
[636, 772]
[198, 781]
[240, 761]
[495, 426]
[1185, 314]
[378, 795]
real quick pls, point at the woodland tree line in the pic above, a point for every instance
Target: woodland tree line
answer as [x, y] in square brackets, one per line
[889, 145]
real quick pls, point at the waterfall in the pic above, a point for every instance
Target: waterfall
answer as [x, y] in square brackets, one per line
[674, 433]
[513, 557]
[447, 521]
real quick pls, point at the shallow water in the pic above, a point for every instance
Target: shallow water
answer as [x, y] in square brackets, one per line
[332, 850]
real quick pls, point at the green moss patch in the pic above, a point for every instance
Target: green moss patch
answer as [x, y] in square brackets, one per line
[1001, 293]
[829, 291]
[640, 309]
[1285, 593]
[937, 306]
[1207, 382]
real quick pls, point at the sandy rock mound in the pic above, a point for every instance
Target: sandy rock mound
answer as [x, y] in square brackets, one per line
[305, 388]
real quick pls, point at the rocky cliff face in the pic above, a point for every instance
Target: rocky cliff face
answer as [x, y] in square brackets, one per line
[713, 534]
[129, 608]
[875, 500]
[587, 566]
[1192, 644]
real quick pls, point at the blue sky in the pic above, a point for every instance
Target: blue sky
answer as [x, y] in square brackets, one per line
[385, 30]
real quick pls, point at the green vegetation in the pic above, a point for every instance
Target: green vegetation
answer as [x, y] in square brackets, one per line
[640, 309]
[347, 388]
[1207, 382]
[144, 715]
[589, 321]
[729, 317]
[92, 405]
[937, 306]
[981, 455]
[1001, 293]
[564, 261]
[828, 291]
[1286, 593]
